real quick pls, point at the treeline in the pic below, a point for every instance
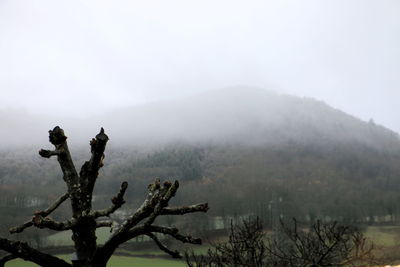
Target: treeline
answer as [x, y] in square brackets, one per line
[349, 182]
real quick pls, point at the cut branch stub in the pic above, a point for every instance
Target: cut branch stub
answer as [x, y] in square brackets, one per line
[48, 153]
[89, 170]
[172, 188]
[118, 200]
[56, 136]
[20, 228]
[97, 148]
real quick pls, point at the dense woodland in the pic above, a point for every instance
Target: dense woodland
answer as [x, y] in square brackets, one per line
[353, 184]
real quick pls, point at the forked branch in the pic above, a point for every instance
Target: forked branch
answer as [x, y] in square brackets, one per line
[117, 202]
[141, 222]
[42, 214]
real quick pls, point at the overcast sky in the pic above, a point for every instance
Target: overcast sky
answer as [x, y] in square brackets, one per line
[90, 56]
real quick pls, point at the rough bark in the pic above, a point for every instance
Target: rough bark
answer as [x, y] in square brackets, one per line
[85, 220]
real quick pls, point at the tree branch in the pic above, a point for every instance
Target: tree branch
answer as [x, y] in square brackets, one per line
[40, 222]
[89, 170]
[117, 202]
[174, 254]
[171, 191]
[147, 208]
[6, 259]
[123, 233]
[25, 252]
[168, 191]
[155, 204]
[54, 206]
[20, 228]
[59, 140]
[47, 222]
[174, 232]
[49, 153]
[42, 213]
[106, 223]
[203, 207]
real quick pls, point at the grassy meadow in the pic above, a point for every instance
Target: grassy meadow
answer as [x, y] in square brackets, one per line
[64, 238]
[386, 237]
[116, 261]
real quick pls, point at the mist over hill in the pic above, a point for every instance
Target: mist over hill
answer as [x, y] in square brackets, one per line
[237, 148]
[245, 116]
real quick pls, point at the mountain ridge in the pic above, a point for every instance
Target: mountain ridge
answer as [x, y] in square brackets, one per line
[258, 117]
[242, 115]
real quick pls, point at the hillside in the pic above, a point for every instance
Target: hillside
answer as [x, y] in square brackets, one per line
[246, 151]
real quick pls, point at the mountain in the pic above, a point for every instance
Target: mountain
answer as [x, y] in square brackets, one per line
[245, 116]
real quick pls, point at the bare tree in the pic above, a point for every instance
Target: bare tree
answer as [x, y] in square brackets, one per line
[320, 245]
[245, 248]
[85, 220]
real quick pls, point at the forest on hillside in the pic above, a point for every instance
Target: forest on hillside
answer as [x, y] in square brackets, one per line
[353, 184]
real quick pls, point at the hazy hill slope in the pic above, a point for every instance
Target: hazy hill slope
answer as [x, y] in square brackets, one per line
[234, 115]
[245, 116]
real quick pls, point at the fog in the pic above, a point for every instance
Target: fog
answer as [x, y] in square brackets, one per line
[70, 62]
[244, 116]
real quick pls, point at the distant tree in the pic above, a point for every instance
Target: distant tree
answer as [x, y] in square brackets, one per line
[245, 248]
[320, 245]
[85, 220]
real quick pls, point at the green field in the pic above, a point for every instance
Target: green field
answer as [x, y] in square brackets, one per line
[385, 236]
[64, 238]
[117, 261]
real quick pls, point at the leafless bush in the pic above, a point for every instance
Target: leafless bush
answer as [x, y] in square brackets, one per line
[321, 244]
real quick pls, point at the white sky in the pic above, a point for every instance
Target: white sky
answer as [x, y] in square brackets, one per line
[89, 56]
